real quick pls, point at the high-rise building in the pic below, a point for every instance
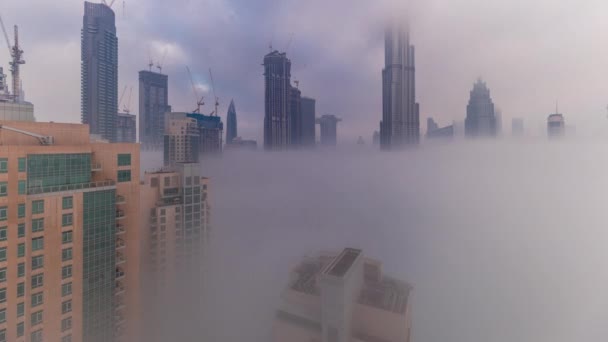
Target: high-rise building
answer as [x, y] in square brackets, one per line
[211, 130]
[400, 125]
[239, 143]
[126, 130]
[99, 70]
[308, 121]
[182, 139]
[69, 239]
[481, 117]
[153, 105]
[343, 298]
[175, 211]
[231, 123]
[13, 108]
[295, 117]
[434, 131]
[277, 100]
[329, 129]
[556, 126]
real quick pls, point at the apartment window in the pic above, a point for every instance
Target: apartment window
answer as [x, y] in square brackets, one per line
[124, 159]
[124, 176]
[37, 262]
[36, 336]
[2, 316]
[2, 253]
[20, 250]
[20, 290]
[3, 165]
[3, 234]
[66, 271]
[66, 324]
[66, 306]
[3, 335]
[20, 309]
[66, 220]
[3, 189]
[66, 289]
[21, 210]
[3, 213]
[66, 237]
[37, 225]
[21, 186]
[38, 243]
[66, 338]
[2, 274]
[21, 270]
[36, 318]
[67, 202]
[38, 207]
[20, 329]
[21, 162]
[37, 280]
[167, 181]
[66, 254]
[37, 299]
[21, 230]
[3, 295]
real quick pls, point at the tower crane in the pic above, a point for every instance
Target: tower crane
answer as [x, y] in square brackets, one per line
[200, 102]
[159, 66]
[217, 100]
[127, 107]
[16, 54]
[124, 90]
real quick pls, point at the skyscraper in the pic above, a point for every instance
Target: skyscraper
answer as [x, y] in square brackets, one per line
[308, 121]
[481, 117]
[231, 123]
[400, 125]
[329, 129]
[99, 70]
[433, 130]
[70, 235]
[343, 297]
[153, 104]
[126, 128]
[295, 117]
[556, 127]
[211, 130]
[182, 139]
[277, 100]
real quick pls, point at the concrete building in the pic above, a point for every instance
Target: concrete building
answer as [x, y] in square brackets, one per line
[126, 130]
[481, 117]
[176, 224]
[517, 127]
[153, 105]
[182, 139]
[239, 144]
[69, 235]
[433, 131]
[295, 117]
[400, 125]
[99, 70]
[211, 131]
[231, 123]
[343, 298]
[308, 121]
[277, 101]
[10, 109]
[556, 127]
[329, 129]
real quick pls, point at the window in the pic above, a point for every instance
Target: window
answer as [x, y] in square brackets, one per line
[20, 309]
[3, 335]
[37, 299]
[66, 289]
[66, 324]
[66, 220]
[21, 210]
[66, 237]
[3, 213]
[3, 254]
[37, 280]
[124, 159]
[21, 162]
[67, 202]
[2, 274]
[37, 262]
[20, 329]
[3, 189]
[2, 316]
[66, 338]
[21, 230]
[37, 225]
[3, 234]
[38, 207]
[21, 270]
[20, 290]
[3, 165]
[124, 176]
[38, 243]
[37, 318]
[66, 306]
[36, 336]
[20, 250]
[21, 187]
[66, 271]
[66, 254]
[3, 295]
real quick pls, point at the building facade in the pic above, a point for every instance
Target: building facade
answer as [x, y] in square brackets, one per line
[433, 131]
[126, 128]
[182, 139]
[481, 118]
[295, 117]
[308, 121]
[69, 237]
[343, 298]
[211, 131]
[400, 125]
[231, 123]
[99, 70]
[277, 100]
[153, 105]
[329, 129]
[556, 126]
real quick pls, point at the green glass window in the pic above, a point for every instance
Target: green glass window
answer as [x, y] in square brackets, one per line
[37, 318]
[37, 280]
[21, 269]
[66, 324]
[3, 234]
[67, 202]
[20, 289]
[2, 274]
[66, 271]
[2, 253]
[21, 230]
[3, 334]
[66, 289]
[20, 329]
[2, 295]
[66, 237]
[37, 262]
[66, 220]
[66, 306]
[3, 213]
[20, 250]
[38, 207]
[3, 189]
[38, 243]
[37, 299]
[66, 254]
[22, 186]
[3, 165]
[124, 159]
[21, 162]
[20, 309]
[2, 319]
[21, 210]
[48, 170]
[37, 225]
[124, 176]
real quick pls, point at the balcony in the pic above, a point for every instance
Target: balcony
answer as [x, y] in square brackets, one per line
[120, 244]
[119, 288]
[120, 214]
[35, 190]
[119, 320]
[121, 199]
[120, 273]
[120, 229]
[120, 258]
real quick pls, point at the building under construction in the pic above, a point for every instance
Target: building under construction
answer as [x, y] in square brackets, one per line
[211, 129]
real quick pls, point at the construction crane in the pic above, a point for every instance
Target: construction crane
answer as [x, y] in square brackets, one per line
[217, 100]
[124, 90]
[16, 54]
[44, 140]
[127, 107]
[159, 66]
[110, 5]
[200, 102]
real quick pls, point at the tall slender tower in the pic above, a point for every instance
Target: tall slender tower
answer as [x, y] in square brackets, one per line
[481, 116]
[99, 70]
[231, 131]
[277, 98]
[153, 105]
[400, 125]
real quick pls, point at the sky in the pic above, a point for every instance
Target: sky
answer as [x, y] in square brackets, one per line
[532, 53]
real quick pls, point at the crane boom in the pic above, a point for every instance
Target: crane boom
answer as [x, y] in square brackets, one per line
[217, 103]
[121, 96]
[44, 140]
[8, 42]
[128, 105]
[200, 102]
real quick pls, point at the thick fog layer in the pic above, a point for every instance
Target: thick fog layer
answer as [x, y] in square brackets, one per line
[501, 241]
